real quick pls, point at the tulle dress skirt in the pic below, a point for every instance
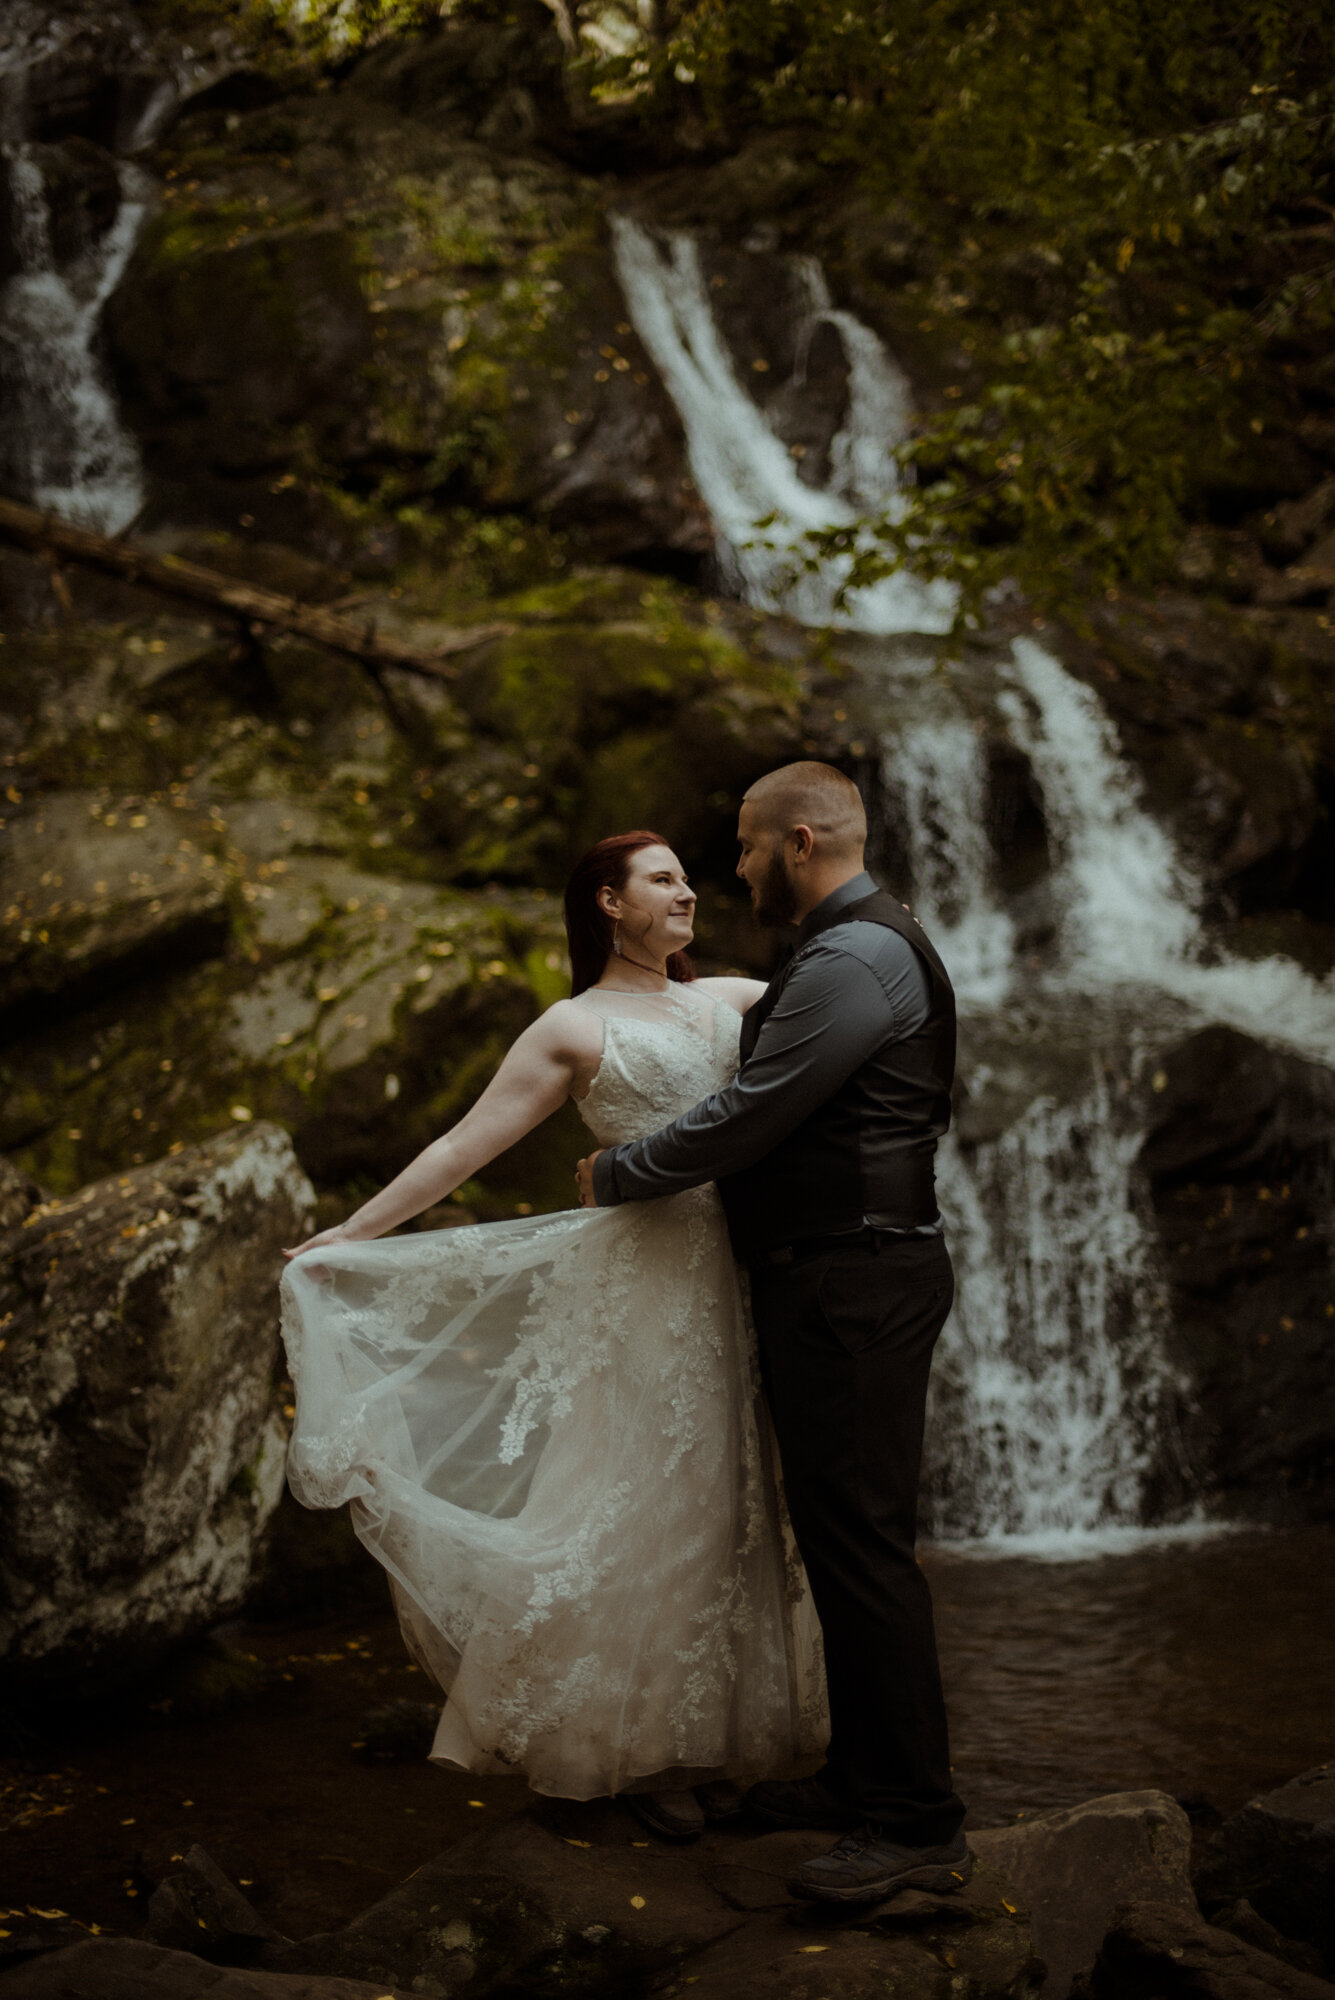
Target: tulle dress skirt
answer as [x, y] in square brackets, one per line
[551, 1434]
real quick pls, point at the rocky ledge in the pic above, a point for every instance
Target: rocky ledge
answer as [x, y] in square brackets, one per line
[565, 1899]
[141, 1452]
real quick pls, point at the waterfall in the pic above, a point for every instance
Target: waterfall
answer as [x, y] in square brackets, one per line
[1050, 1390]
[1052, 1403]
[65, 447]
[745, 473]
[936, 770]
[1129, 900]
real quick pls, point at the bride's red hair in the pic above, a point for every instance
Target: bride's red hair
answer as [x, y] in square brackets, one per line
[588, 927]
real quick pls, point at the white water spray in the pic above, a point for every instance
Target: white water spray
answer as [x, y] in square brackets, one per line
[936, 769]
[1129, 902]
[67, 447]
[744, 472]
[1050, 1376]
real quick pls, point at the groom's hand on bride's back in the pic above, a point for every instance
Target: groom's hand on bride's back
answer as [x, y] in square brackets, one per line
[584, 1181]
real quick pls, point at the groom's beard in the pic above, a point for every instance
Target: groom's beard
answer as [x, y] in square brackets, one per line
[774, 898]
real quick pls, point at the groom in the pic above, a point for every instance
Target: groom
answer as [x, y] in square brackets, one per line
[822, 1148]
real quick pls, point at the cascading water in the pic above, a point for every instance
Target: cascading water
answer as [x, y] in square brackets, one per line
[1053, 1400]
[1129, 902]
[744, 472]
[64, 445]
[937, 771]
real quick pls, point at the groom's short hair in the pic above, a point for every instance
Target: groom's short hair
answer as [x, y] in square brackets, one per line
[814, 795]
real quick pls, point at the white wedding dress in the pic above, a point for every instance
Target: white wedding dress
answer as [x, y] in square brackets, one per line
[552, 1436]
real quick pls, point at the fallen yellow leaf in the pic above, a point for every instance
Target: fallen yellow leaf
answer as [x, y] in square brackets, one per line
[813, 1947]
[1008, 1906]
[575, 1843]
[33, 1911]
[637, 1902]
[6, 1933]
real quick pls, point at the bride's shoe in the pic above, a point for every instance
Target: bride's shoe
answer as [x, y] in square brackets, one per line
[671, 1815]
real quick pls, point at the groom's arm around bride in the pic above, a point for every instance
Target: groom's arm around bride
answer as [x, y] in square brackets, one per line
[823, 1148]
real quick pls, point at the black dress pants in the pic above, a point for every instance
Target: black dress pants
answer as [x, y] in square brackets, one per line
[846, 1339]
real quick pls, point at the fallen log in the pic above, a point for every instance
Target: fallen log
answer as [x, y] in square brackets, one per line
[173, 575]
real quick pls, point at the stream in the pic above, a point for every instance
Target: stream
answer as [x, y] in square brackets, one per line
[1159, 1666]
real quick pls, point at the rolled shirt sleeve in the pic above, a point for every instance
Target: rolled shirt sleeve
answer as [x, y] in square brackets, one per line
[855, 987]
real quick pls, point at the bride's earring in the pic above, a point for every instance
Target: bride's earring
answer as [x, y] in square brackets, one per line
[616, 937]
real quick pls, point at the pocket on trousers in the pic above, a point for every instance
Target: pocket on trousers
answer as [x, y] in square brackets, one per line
[881, 1300]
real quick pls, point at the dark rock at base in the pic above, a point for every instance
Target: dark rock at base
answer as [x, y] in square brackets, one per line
[28, 1939]
[1156, 1951]
[575, 1900]
[1242, 1921]
[1279, 1853]
[1073, 1867]
[535, 1911]
[862, 1957]
[124, 1969]
[199, 1910]
[1238, 1152]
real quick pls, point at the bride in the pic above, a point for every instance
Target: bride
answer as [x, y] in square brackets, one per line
[551, 1430]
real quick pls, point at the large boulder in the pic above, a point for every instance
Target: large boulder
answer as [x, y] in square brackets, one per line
[1072, 1868]
[1160, 1950]
[569, 1899]
[1239, 1152]
[279, 884]
[141, 1452]
[89, 891]
[1279, 1854]
[106, 1968]
[358, 272]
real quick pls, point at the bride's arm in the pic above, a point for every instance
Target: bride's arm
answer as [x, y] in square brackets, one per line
[558, 1051]
[738, 992]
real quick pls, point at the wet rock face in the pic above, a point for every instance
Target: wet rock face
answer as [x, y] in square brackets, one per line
[89, 71]
[277, 884]
[88, 898]
[1225, 714]
[1239, 1158]
[1158, 1949]
[124, 1969]
[356, 285]
[571, 1899]
[1279, 1854]
[1073, 1867]
[140, 1450]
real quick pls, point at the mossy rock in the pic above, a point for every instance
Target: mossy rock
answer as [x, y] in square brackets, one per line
[349, 297]
[362, 1013]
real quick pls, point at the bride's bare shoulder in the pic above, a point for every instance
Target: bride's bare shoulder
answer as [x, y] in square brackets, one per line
[739, 993]
[567, 1025]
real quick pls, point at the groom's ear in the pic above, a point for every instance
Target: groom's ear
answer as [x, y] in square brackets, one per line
[803, 843]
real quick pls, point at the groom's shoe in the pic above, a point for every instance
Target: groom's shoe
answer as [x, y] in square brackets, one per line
[799, 1802]
[671, 1815]
[864, 1867]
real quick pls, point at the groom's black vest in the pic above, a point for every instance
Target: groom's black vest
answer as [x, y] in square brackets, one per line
[868, 1152]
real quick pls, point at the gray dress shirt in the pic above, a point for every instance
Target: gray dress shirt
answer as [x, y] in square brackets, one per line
[852, 988]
